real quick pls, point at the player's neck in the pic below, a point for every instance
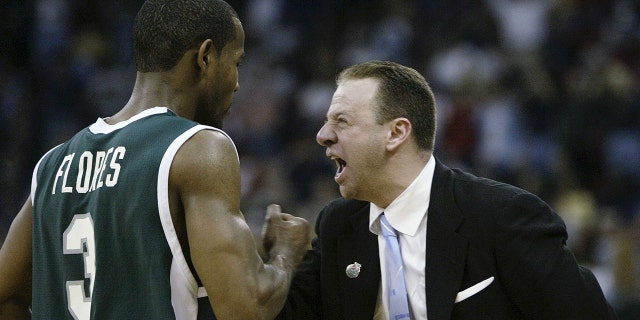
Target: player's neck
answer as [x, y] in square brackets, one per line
[152, 89]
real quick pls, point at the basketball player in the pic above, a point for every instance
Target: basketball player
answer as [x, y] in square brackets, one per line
[138, 215]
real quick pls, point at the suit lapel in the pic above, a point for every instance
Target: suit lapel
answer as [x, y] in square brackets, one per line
[359, 294]
[446, 249]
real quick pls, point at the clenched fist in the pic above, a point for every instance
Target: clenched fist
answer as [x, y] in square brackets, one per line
[284, 234]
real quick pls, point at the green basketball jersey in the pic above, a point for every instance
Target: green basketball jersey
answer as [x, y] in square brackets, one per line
[104, 245]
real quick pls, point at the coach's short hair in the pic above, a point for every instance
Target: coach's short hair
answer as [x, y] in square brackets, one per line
[402, 92]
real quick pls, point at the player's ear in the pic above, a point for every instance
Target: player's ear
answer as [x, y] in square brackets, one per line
[207, 54]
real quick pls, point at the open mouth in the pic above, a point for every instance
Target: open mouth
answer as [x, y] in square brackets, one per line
[341, 164]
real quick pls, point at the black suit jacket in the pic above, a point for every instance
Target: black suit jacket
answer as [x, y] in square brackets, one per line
[476, 229]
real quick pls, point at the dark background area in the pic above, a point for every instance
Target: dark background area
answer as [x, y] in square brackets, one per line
[542, 94]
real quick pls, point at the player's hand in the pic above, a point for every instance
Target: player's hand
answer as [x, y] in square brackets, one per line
[285, 234]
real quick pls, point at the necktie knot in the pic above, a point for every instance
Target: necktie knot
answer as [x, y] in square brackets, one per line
[386, 228]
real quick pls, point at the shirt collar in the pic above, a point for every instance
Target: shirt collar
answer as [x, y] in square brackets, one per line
[407, 210]
[101, 126]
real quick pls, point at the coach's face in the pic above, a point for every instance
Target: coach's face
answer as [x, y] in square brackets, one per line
[354, 139]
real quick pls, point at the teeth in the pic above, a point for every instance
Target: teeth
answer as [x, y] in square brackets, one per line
[341, 164]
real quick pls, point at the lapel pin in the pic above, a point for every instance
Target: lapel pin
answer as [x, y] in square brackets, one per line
[353, 270]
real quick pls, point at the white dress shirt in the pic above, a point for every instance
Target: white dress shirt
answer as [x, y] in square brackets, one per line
[408, 215]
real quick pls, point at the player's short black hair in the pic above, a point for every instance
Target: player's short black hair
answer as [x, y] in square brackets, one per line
[165, 29]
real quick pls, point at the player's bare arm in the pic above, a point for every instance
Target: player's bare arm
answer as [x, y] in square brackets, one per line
[206, 175]
[15, 267]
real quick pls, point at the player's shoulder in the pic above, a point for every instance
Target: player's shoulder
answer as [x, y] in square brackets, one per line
[211, 139]
[205, 150]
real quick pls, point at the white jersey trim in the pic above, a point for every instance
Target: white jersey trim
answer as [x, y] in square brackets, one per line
[34, 176]
[101, 126]
[184, 288]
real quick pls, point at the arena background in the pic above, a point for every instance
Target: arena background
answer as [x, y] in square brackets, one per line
[542, 94]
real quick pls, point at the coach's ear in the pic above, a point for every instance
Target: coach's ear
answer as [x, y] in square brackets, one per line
[399, 132]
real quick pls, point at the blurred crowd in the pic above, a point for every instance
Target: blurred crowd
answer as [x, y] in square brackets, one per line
[542, 94]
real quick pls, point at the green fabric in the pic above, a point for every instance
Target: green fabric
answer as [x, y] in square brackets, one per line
[132, 257]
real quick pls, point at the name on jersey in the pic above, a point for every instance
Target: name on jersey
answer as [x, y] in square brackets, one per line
[95, 170]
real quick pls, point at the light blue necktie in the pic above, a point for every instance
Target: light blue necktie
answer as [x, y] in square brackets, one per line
[396, 288]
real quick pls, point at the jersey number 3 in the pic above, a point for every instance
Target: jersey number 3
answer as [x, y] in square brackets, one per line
[79, 239]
